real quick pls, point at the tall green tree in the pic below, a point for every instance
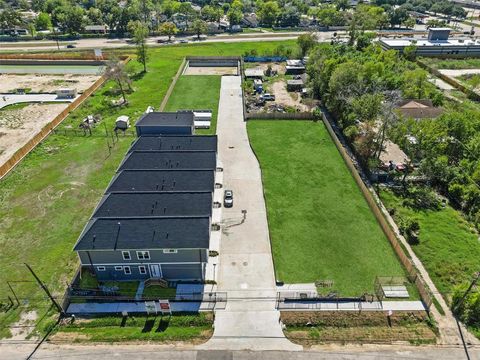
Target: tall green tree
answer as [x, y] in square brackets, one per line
[168, 29]
[199, 27]
[140, 32]
[268, 13]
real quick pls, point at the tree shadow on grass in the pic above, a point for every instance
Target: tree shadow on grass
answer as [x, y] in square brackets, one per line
[148, 325]
[163, 324]
[137, 76]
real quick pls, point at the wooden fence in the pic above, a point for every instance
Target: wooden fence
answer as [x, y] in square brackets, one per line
[172, 85]
[48, 128]
[412, 272]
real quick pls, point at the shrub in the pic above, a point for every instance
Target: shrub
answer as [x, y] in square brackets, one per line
[422, 198]
[409, 228]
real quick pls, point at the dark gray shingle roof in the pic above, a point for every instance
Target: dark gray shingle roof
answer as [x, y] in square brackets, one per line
[169, 160]
[147, 233]
[175, 143]
[181, 118]
[163, 180]
[154, 204]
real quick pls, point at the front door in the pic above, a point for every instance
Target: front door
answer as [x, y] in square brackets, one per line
[155, 271]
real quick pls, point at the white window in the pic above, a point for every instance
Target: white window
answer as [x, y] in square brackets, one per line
[142, 270]
[127, 270]
[126, 255]
[143, 255]
[119, 268]
[100, 268]
[169, 251]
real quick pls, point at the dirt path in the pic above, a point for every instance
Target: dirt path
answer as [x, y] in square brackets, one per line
[283, 97]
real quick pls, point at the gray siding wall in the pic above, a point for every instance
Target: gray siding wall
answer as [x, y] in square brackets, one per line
[156, 256]
[169, 272]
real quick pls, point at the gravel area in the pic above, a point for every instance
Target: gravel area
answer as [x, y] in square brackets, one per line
[18, 126]
[45, 83]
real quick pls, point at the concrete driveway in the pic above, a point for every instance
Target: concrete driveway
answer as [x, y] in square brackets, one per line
[250, 320]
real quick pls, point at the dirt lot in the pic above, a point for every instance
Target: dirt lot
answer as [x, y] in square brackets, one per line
[45, 83]
[285, 98]
[18, 126]
[210, 70]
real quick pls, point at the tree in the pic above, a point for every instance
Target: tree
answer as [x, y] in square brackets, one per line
[9, 18]
[95, 16]
[70, 19]
[140, 34]
[268, 13]
[289, 16]
[115, 71]
[235, 13]
[306, 42]
[169, 29]
[409, 23]
[199, 27]
[212, 13]
[329, 16]
[43, 22]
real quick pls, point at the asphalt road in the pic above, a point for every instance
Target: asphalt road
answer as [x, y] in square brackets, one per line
[118, 43]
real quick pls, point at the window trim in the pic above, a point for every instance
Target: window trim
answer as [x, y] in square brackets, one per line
[129, 256]
[118, 268]
[170, 251]
[142, 269]
[127, 270]
[143, 253]
[101, 268]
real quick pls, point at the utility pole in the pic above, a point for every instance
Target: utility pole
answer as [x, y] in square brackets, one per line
[42, 285]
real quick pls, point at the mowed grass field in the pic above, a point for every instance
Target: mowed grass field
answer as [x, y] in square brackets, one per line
[47, 199]
[320, 225]
[448, 245]
[197, 92]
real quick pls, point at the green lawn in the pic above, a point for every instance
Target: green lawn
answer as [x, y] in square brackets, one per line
[320, 225]
[47, 199]
[183, 327]
[469, 63]
[448, 247]
[197, 92]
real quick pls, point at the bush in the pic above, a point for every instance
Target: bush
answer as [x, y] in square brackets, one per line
[409, 228]
[422, 198]
[468, 309]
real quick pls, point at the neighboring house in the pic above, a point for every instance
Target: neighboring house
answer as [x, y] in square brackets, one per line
[96, 29]
[180, 20]
[294, 67]
[295, 85]
[174, 123]
[255, 73]
[154, 220]
[250, 20]
[419, 109]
